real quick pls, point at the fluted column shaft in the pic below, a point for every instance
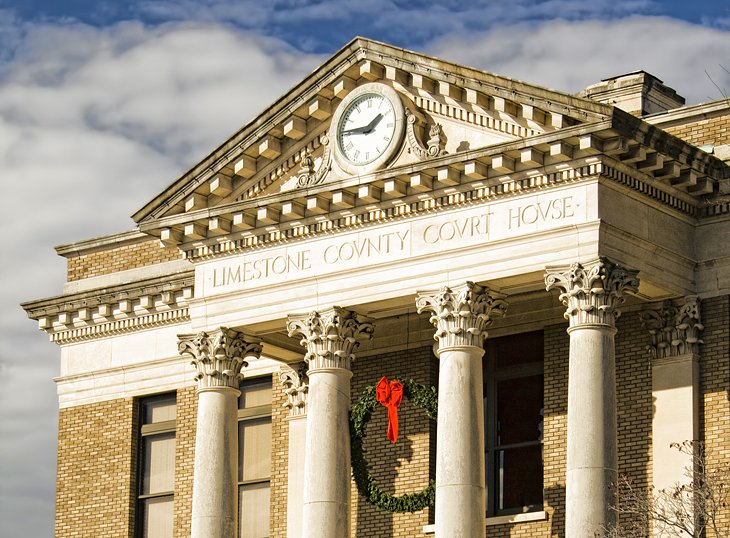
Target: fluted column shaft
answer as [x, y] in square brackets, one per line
[461, 316]
[330, 338]
[591, 294]
[218, 357]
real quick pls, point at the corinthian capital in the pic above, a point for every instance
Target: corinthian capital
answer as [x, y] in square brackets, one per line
[296, 387]
[674, 328]
[330, 336]
[218, 356]
[461, 314]
[592, 292]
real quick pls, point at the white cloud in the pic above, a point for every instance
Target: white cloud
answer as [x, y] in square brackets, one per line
[572, 55]
[93, 124]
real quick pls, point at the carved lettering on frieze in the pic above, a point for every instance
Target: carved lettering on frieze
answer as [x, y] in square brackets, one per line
[674, 328]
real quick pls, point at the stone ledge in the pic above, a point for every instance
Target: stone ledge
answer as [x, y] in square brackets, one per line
[501, 520]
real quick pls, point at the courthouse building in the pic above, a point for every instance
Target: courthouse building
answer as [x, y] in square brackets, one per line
[399, 215]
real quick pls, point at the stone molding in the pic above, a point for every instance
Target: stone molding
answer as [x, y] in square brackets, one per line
[592, 292]
[330, 337]
[218, 356]
[114, 310]
[674, 328]
[461, 314]
[296, 388]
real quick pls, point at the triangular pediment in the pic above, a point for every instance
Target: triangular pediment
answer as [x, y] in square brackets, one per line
[458, 133]
[448, 109]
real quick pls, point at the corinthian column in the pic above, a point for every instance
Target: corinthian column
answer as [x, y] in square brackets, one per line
[330, 338]
[591, 294]
[218, 357]
[461, 316]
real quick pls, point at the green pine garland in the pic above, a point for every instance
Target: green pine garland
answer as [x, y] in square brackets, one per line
[360, 414]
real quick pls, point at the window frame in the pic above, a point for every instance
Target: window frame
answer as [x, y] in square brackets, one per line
[248, 414]
[492, 376]
[146, 431]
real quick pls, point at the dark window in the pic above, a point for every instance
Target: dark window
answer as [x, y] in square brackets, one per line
[513, 414]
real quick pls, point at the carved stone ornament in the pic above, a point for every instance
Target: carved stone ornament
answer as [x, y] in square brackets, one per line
[674, 330]
[330, 336]
[592, 292]
[435, 144]
[218, 356]
[308, 176]
[296, 387]
[461, 314]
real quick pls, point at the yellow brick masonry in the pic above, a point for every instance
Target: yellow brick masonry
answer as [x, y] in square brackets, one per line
[715, 383]
[120, 258]
[95, 491]
[187, 410]
[279, 459]
[403, 467]
[708, 131]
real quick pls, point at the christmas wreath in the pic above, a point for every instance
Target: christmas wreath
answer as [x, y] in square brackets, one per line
[389, 395]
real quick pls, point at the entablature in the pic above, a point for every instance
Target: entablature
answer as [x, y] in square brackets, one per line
[114, 310]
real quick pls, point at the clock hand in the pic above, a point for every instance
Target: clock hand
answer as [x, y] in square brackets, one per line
[365, 128]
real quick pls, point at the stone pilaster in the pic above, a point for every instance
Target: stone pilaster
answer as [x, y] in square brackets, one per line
[675, 330]
[330, 338]
[296, 387]
[461, 316]
[591, 293]
[218, 357]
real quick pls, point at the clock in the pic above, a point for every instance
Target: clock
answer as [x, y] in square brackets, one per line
[368, 125]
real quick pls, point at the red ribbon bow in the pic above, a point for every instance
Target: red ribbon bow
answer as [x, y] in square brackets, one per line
[390, 395]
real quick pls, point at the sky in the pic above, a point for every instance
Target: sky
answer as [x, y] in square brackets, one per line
[104, 103]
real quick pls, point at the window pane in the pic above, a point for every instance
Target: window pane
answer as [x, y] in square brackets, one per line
[255, 392]
[159, 463]
[253, 511]
[159, 410]
[519, 478]
[254, 449]
[157, 517]
[519, 349]
[519, 410]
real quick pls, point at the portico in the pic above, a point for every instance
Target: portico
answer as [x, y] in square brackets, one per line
[486, 249]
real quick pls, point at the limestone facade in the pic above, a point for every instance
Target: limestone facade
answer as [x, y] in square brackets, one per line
[271, 259]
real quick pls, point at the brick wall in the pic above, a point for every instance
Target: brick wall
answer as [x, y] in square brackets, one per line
[715, 387]
[187, 411]
[710, 131]
[120, 258]
[95, 493]
[279, 459]
[398, 468]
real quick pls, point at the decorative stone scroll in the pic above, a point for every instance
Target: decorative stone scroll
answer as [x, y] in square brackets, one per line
[218, 356]
[592, 292]
[308, 176]
[674, 330]
[461, 314]
[435, 144]
[296, 387]
[330, 336]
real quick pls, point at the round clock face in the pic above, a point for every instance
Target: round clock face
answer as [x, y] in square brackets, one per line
[369, 124]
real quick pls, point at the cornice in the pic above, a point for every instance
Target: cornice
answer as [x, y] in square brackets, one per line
[114, 310]
[689, 114]
[87, 246]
